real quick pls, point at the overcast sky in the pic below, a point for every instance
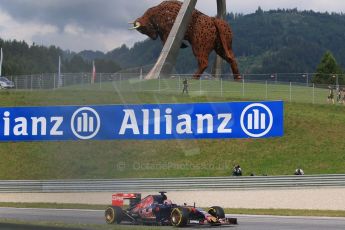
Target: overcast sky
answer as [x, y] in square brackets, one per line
[102, 24]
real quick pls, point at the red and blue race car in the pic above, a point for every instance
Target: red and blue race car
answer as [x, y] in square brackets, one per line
[159, 210]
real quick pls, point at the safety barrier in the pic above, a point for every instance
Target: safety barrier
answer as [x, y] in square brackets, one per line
[171, 184]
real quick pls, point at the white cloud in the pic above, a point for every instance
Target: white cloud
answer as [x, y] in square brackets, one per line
[11, 29]
[75, 39]
[72, 37]
[73, 29]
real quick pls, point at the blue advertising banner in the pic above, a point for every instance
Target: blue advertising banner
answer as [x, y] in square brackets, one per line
[143, 122]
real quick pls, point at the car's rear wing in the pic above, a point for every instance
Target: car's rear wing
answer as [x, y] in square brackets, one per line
[118, 199]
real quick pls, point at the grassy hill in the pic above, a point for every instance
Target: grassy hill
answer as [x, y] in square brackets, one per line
[313, 140]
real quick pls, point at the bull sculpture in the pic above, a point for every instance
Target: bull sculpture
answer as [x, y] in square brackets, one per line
[204, 33]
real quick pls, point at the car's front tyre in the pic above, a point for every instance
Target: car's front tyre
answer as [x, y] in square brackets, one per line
[179, 217]
[217, 212]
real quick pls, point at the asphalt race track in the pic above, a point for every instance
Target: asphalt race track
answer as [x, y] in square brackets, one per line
[246, 222]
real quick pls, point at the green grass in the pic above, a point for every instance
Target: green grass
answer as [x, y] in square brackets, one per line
[53, 205]
[313, 140]
[16, 224]
[235, 90]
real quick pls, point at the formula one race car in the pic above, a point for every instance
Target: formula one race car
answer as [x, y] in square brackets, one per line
[158, 210]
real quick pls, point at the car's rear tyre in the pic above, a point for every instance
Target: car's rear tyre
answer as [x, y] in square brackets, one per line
[217, 212]
[179, 217]
[113, 214]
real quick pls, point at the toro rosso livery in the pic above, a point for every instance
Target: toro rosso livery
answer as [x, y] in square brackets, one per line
[159, 210]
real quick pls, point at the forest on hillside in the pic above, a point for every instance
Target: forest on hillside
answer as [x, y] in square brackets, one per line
[276, 41]
[21, 58]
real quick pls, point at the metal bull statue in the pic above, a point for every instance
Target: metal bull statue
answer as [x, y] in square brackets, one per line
[204, 33]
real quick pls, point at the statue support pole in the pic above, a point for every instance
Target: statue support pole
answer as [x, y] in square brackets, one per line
[1, 58]
[167, 58]
[221, 13]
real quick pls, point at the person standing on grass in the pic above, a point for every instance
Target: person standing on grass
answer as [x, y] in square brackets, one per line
[339, 98]
[330, 97]
[185, 86]
[343, 96]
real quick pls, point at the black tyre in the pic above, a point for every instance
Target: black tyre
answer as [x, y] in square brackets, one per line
[217, 212]
[179, 217]
[113, 214]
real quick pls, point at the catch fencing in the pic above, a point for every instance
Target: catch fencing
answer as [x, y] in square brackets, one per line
[296, 87]
[172, 184]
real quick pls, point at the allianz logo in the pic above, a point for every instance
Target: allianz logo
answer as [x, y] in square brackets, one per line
[256, 120]
[85, 124]
[152, 120]
[19, 126]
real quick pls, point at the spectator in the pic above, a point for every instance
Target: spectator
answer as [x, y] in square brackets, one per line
[342, 93]
[330, 97]
[338, 91]
[299, 172]
[237, 171]
[185, 86]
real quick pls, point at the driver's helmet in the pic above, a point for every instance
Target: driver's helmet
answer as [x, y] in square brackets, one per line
[167, 202]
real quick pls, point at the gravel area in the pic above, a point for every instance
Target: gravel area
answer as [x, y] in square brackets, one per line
[316, 199]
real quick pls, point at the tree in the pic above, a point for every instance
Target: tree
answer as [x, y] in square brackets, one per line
[21, 58]
[327, 69]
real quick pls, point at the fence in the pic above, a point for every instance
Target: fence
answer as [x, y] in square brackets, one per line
[173, 184]
[296, 87]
